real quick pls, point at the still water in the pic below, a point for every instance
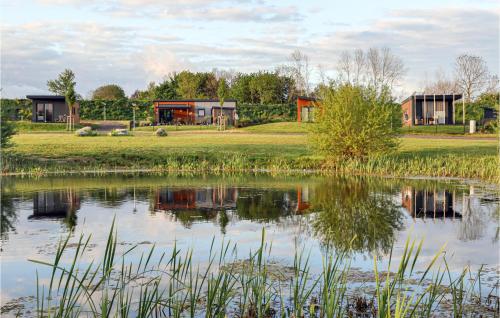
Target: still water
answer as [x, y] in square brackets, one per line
[368, 216]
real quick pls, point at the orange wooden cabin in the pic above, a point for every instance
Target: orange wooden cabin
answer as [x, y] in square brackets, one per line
[193, 111]
[305, 108]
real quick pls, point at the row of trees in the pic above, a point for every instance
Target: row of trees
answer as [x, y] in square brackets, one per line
[262, 87]
[376, 68]
[280, 86]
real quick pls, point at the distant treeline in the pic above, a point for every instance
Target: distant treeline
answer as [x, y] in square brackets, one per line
[253, 88]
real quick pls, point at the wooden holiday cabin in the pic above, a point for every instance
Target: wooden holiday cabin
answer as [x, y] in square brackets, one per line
[430, 109]
[52, 109]
[305, 108]
[193, 111]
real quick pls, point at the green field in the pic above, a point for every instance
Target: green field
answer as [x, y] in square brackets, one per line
[28, 126]
[281, 127]
[177, 128]
[440, 130]
[237, 150]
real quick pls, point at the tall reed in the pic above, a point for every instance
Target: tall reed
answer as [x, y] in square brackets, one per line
[162, 284]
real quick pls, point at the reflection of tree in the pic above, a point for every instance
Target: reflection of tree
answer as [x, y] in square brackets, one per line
[353, 209]
[111, 197]
[472, 224]
[223, 221]
[8, 216]
[265, 205]
[188, 217]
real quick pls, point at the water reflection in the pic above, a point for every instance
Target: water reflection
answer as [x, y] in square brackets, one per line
[219, 203]
[463, 205]
[430, 203]
[356, 214]
[361, 214]
[62, 204]
[8, 215]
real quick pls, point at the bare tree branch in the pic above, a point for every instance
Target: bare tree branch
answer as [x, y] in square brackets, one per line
[377, 68]
[471, 74]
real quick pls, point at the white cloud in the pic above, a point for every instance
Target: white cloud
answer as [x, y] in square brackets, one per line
[132, 54]
[158, 61]
[427, 40]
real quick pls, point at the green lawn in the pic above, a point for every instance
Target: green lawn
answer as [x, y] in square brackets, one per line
[28, 126]
[239, 150]
[441, 130]
[177, 128]
[281, 127]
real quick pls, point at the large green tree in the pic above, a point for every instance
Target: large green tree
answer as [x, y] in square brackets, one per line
[354, 122]
[109, 92]
[209, 85]
[189, 85]
[167, 89]
[240, 88]
[62, 83]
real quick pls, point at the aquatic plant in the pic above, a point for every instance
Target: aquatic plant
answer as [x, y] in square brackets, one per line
[171, 284]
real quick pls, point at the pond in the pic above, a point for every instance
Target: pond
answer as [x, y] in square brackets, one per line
[362, 215]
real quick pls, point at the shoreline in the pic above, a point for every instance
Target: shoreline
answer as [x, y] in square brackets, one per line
[295, 172]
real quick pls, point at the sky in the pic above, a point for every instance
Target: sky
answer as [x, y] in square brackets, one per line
[134, 42]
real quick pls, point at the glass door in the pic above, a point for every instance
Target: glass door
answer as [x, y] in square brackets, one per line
[49, 113]
[40, 112]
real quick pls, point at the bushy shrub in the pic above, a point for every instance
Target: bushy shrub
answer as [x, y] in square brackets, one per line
[16, 109]
[160, 132]
[490, 127]
[7, 131]
[85, 132]
[119, 132]
[251, 114]
[354, 122]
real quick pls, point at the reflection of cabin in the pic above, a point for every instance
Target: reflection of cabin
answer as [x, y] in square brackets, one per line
[432, 109]
[208, 200]
[305, 108]
[55, 204]
[168, 199]
[429, 203]
[303, 199]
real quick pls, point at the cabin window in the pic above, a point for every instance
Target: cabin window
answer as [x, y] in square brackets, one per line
[40, 112]
[201, 113]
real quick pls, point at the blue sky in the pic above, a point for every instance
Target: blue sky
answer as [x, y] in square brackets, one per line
[133, 42]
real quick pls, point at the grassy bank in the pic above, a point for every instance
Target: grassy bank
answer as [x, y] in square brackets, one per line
[230, 151]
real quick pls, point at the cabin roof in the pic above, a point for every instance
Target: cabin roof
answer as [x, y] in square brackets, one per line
[46, 97]
[313, 99]
[430, 97]
[193, 100]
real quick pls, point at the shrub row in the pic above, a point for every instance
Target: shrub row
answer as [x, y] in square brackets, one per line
[250, 114]
[121, 109]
